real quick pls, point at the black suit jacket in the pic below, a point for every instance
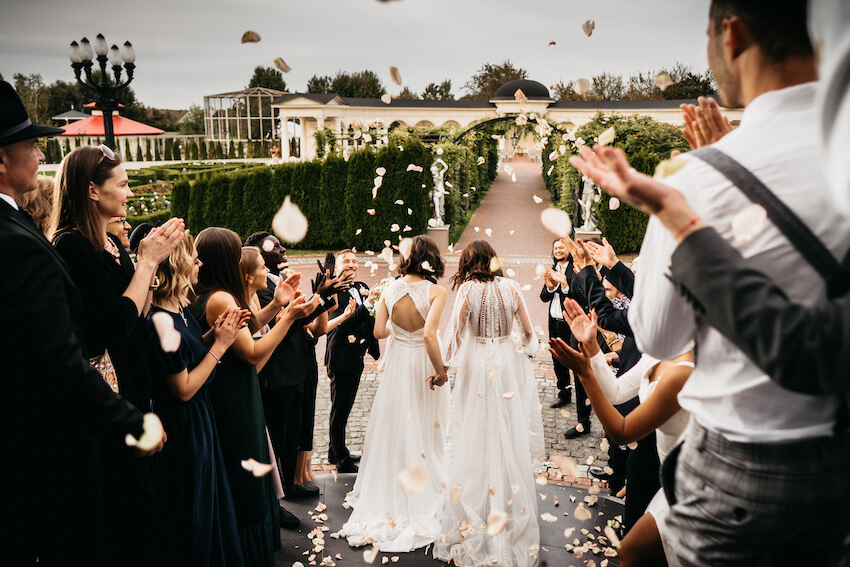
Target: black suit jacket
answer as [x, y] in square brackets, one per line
[343, 354]
[610, 318]
[52, 402]
[558, 327]
[290, 362]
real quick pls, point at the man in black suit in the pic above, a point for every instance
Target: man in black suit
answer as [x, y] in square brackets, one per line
[556, 287]
[347, 344]
[53, 401]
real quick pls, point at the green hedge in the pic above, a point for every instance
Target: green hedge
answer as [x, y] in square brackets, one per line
[151, 218]
[645, 141]
[180, 199]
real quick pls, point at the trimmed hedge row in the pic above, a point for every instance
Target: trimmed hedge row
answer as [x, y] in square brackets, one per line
[645, 141]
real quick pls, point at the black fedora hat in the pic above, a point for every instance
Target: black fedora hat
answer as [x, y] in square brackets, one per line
[15, 125]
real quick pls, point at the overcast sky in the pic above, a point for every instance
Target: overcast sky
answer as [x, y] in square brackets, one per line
[186, 49]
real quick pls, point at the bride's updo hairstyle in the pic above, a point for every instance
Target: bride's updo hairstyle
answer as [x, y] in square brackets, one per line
[422, 250]
[475, 263]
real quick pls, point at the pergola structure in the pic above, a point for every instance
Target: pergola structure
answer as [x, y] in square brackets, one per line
[241, 115]
[317, 111]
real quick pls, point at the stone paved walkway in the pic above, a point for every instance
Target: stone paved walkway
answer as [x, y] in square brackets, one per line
[508, 206]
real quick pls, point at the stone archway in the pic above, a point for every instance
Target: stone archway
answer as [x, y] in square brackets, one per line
[425, 124]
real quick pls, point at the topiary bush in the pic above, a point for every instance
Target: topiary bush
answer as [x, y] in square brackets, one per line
[361, 228]
[258, 204]
[332, 199]
[216, 204]
[235, 217]
[195, 218]
[180, 199]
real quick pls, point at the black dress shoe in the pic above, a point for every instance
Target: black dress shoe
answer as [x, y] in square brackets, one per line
[598, 473]
[347, 467]
[559, 403]
[301, 491]
[288, 521]
[573, 432]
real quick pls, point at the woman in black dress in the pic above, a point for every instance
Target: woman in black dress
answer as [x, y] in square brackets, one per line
[195, 510]
[92, 189]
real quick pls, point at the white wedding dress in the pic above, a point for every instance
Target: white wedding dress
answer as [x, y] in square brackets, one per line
[407, 428]
[495, 429]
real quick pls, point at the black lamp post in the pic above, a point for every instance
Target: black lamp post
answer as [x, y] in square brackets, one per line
[515, 139]
[81, 59]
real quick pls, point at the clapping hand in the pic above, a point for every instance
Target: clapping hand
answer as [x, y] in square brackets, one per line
[584, 328]
[228, 324]
[556, 277]
[288, 289]
[299, 308]
[704, 124]
[160, 241]
[576, 360]
[602, 254]
[581, 255]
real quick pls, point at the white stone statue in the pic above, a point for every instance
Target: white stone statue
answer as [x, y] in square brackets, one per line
[589, 196]
[438, 194]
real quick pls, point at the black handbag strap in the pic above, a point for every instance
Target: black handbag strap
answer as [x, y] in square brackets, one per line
[836, 274]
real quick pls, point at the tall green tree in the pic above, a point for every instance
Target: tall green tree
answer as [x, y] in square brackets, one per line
[363, 84]
[442, 91]
[487, 80]
[34, 96]
[193, 121]
[406, 94]
[268, 78]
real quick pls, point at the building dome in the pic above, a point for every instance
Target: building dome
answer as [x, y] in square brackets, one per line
[531, 89]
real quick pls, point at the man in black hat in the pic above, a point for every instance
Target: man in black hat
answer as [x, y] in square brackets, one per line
[51, 399]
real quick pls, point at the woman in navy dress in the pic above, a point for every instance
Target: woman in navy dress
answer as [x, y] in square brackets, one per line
[197, 517]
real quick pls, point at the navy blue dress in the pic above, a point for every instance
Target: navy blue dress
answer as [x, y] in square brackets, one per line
[195, 507]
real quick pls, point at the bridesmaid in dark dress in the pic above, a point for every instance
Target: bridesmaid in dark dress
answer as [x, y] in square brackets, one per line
[236, 389]
[195, 510]
[91, 189]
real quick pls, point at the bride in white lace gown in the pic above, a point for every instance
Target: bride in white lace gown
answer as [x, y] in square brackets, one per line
[408, 420]
[495, 427]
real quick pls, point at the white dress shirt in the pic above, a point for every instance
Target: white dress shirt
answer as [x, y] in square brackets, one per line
[778, 142]
[9, 200]
[555, 307]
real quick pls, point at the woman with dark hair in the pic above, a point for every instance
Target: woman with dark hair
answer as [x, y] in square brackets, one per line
[396, 495]
[197, 519]
[91, 190]
[495, 427]
[235, 393]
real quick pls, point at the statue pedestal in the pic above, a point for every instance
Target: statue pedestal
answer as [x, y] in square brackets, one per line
[440, 235]
[587, 234]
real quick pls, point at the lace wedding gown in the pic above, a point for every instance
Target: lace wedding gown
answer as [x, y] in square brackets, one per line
[406, 428]
[495, 429]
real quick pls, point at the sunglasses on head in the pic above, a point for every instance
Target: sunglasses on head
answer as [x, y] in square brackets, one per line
[107, 153]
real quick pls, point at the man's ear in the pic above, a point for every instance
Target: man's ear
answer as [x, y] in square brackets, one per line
[736, 38]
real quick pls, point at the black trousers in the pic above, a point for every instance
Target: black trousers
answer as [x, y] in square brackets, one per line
[560, 329]
[282, 407]
[343, 391]
[642, 479]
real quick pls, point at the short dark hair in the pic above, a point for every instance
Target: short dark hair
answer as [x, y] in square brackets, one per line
[475, 264]
[777, 26]
[256, 238]
[422, 249]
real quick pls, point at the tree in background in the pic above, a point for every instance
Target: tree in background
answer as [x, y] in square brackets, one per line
[139, 155]
[193, 121]
[268, 78]
[363, 84]
[641, 86]
[407, 94]
[34, 96]
[487, 80]
[443, 91]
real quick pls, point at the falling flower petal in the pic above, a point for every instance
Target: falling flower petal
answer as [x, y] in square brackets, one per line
[358, 231]
[591, 499]
[580, 428]
[537, 199]
[613, 203]
[520, 96]
[565, 464]
[551, 168]
[386, 98]
[449, 185]
[670, 166]
[255, 468]
[607, 136]
[407, 228]
[413, 167]
[440, 151]
[395, 227]
[386, 255]
[747, 224]
[513, 177]
[581, 86]
[367, 138]
[380, 172]
[426, 266]
[495, 264]
[454, 493]
[508, 395]
[404, 246]
[582, 514]
[556, 221]
[289, 222]
[604, 445]
[540, 269]
[151, 434]
[399, 202]
[510, 273]
[588, 27]
[542, 480]
[250, 37]
[547, 517]
[169, 338]
[526, 287]
[358, 134]
[488, 232]
[632, 446]
[395, 75]
[481, 160]
[268, 245]
[371, 211]
[413, 480]
[281, 64]
[521, 120]
[496, 522]
[662, 81]
[553, 155]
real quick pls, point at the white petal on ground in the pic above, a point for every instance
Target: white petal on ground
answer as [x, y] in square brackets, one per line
[662, 81]
[169, 337]
[748, 224]
[582, 514]
[281, 64]
[556, 221]
[256, 468]
[581, 86]
[395, 75]
[496, 522]
[611, 534]
[606, 137]
[289, 222]
[547, 517]
[413, 480]
[250, 37]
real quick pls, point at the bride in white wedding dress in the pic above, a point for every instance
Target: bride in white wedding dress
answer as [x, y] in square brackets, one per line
[495, 427]
[405, 436]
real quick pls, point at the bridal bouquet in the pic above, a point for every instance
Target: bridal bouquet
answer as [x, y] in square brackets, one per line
[377, 291]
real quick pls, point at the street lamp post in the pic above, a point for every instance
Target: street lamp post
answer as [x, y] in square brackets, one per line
[81, 59]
